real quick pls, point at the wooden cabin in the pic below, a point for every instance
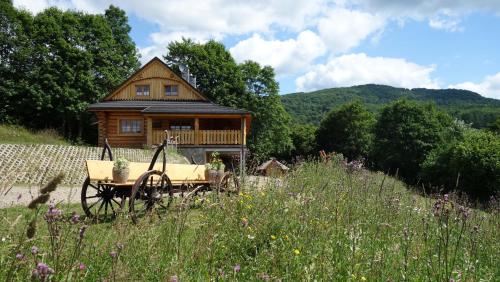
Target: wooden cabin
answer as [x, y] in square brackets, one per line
[155, 99]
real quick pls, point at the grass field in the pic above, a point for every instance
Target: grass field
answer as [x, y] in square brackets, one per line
[11, 134]
[323, 222]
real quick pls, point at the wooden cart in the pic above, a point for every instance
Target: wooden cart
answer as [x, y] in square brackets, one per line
[150, 187]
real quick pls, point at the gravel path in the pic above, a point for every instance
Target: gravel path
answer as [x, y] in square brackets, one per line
[22, 195]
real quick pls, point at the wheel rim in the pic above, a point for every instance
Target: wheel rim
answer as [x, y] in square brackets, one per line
[98, 200]
[148, 195]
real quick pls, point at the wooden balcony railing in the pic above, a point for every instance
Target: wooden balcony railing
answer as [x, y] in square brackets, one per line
[201, 137]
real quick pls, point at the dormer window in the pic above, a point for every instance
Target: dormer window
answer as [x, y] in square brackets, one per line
[142, 90]
[171, 90]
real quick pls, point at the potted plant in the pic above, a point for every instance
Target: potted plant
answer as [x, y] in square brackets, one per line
[120, 170]
[215, 168]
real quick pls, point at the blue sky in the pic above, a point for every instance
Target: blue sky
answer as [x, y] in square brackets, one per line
[316, 44]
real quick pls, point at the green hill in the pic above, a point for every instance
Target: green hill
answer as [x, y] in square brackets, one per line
[469, 106]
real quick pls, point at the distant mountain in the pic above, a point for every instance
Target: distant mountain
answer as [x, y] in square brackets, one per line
[469, 106]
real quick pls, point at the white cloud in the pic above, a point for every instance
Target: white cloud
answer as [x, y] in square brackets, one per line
[161, 40]
[344, 29]
[489, 87]
[286, 57]
[449, 24]
[355, 69]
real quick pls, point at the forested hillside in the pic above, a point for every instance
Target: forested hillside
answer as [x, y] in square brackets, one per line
[466, 105]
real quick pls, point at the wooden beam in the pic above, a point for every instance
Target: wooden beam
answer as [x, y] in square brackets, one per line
[197, 131]
[244, 130]
[149, 131]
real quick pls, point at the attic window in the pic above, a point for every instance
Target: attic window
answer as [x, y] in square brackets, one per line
[142, 90]
[171, 90]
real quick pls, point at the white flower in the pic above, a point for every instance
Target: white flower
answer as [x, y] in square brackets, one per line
[251, 237]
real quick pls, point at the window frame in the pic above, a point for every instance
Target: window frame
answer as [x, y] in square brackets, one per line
[170, 86]
[141, 127]
[141, 86]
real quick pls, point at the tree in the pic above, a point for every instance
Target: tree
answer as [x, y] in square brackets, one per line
[347, 130]
[59, 62]
[303, 139]
[405, 133]
[470, 164]
[247, 85]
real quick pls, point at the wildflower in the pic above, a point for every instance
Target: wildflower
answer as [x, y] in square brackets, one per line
[174, 278]
[273, 237]
[119, 246]
[42, 270]
[251, 237]
[53, 214]
[296, 252]
[363, 278]
[82, 266]
[34, 250]
[353, 276]
[82, 231]
[262, 194]
[244, 222]
[31, 231]
[42, 199]
[19, 256]
[264, 276]
[4, 239]
[75, 218]
[221, 272]
[237, 268]
[113, 254]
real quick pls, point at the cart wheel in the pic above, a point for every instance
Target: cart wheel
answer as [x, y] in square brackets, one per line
[98, 199]
[148, 195]
[229, 183]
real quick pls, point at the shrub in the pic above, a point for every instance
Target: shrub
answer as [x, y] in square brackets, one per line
[303, 136]
[347, 131]
[405, 133]
[471, 165]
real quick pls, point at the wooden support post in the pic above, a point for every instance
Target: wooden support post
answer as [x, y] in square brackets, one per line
[244, 129]
[197, 131]
[149, 131]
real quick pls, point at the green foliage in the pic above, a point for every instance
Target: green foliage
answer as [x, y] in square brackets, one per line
[323, 224]
[216, 162]
[405, 133]
[466, 105]
[495, 126]
[121, 163]
[303, 138]
[12, 134]
[347, 130]
[247, 85]
[470, 164]
[58, 62]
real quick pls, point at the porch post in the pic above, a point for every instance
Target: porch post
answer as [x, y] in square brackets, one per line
[243, 122]
[149, 131]
[197, 131]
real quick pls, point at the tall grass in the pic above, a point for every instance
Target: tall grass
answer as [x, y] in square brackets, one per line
[323, 222]
[12, 134]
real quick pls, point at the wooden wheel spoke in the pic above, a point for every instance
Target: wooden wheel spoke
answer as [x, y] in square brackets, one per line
[93, 204]
[116, 202]
[112, 208]
[100, 207]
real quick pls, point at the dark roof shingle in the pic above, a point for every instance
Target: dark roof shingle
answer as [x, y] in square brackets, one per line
[167, 107]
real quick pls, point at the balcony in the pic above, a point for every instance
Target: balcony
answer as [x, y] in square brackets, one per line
[199, 137]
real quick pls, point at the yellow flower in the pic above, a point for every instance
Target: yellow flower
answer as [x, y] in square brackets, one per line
[296, 252]
[273, 237]
[241, 194]
[363, 278]
[286, 237]
[353, 276]
[262, 193]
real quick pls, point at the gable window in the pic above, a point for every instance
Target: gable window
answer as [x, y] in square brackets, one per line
[172, 90]
[130, 126]
[142, 90]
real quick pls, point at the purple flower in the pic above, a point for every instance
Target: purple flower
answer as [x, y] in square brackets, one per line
[264, 276]
[43, 270]
[53, 214]
[82, 231]
[174, 278]
[82, 266]
[19, 256]
[221, 272]
[237, 268]
[113, 254]
[34, 250]
[75, 218]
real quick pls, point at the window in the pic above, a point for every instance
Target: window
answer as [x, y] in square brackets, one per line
[130, 126]
[171, 90]
[180, 127]
[142, 90]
